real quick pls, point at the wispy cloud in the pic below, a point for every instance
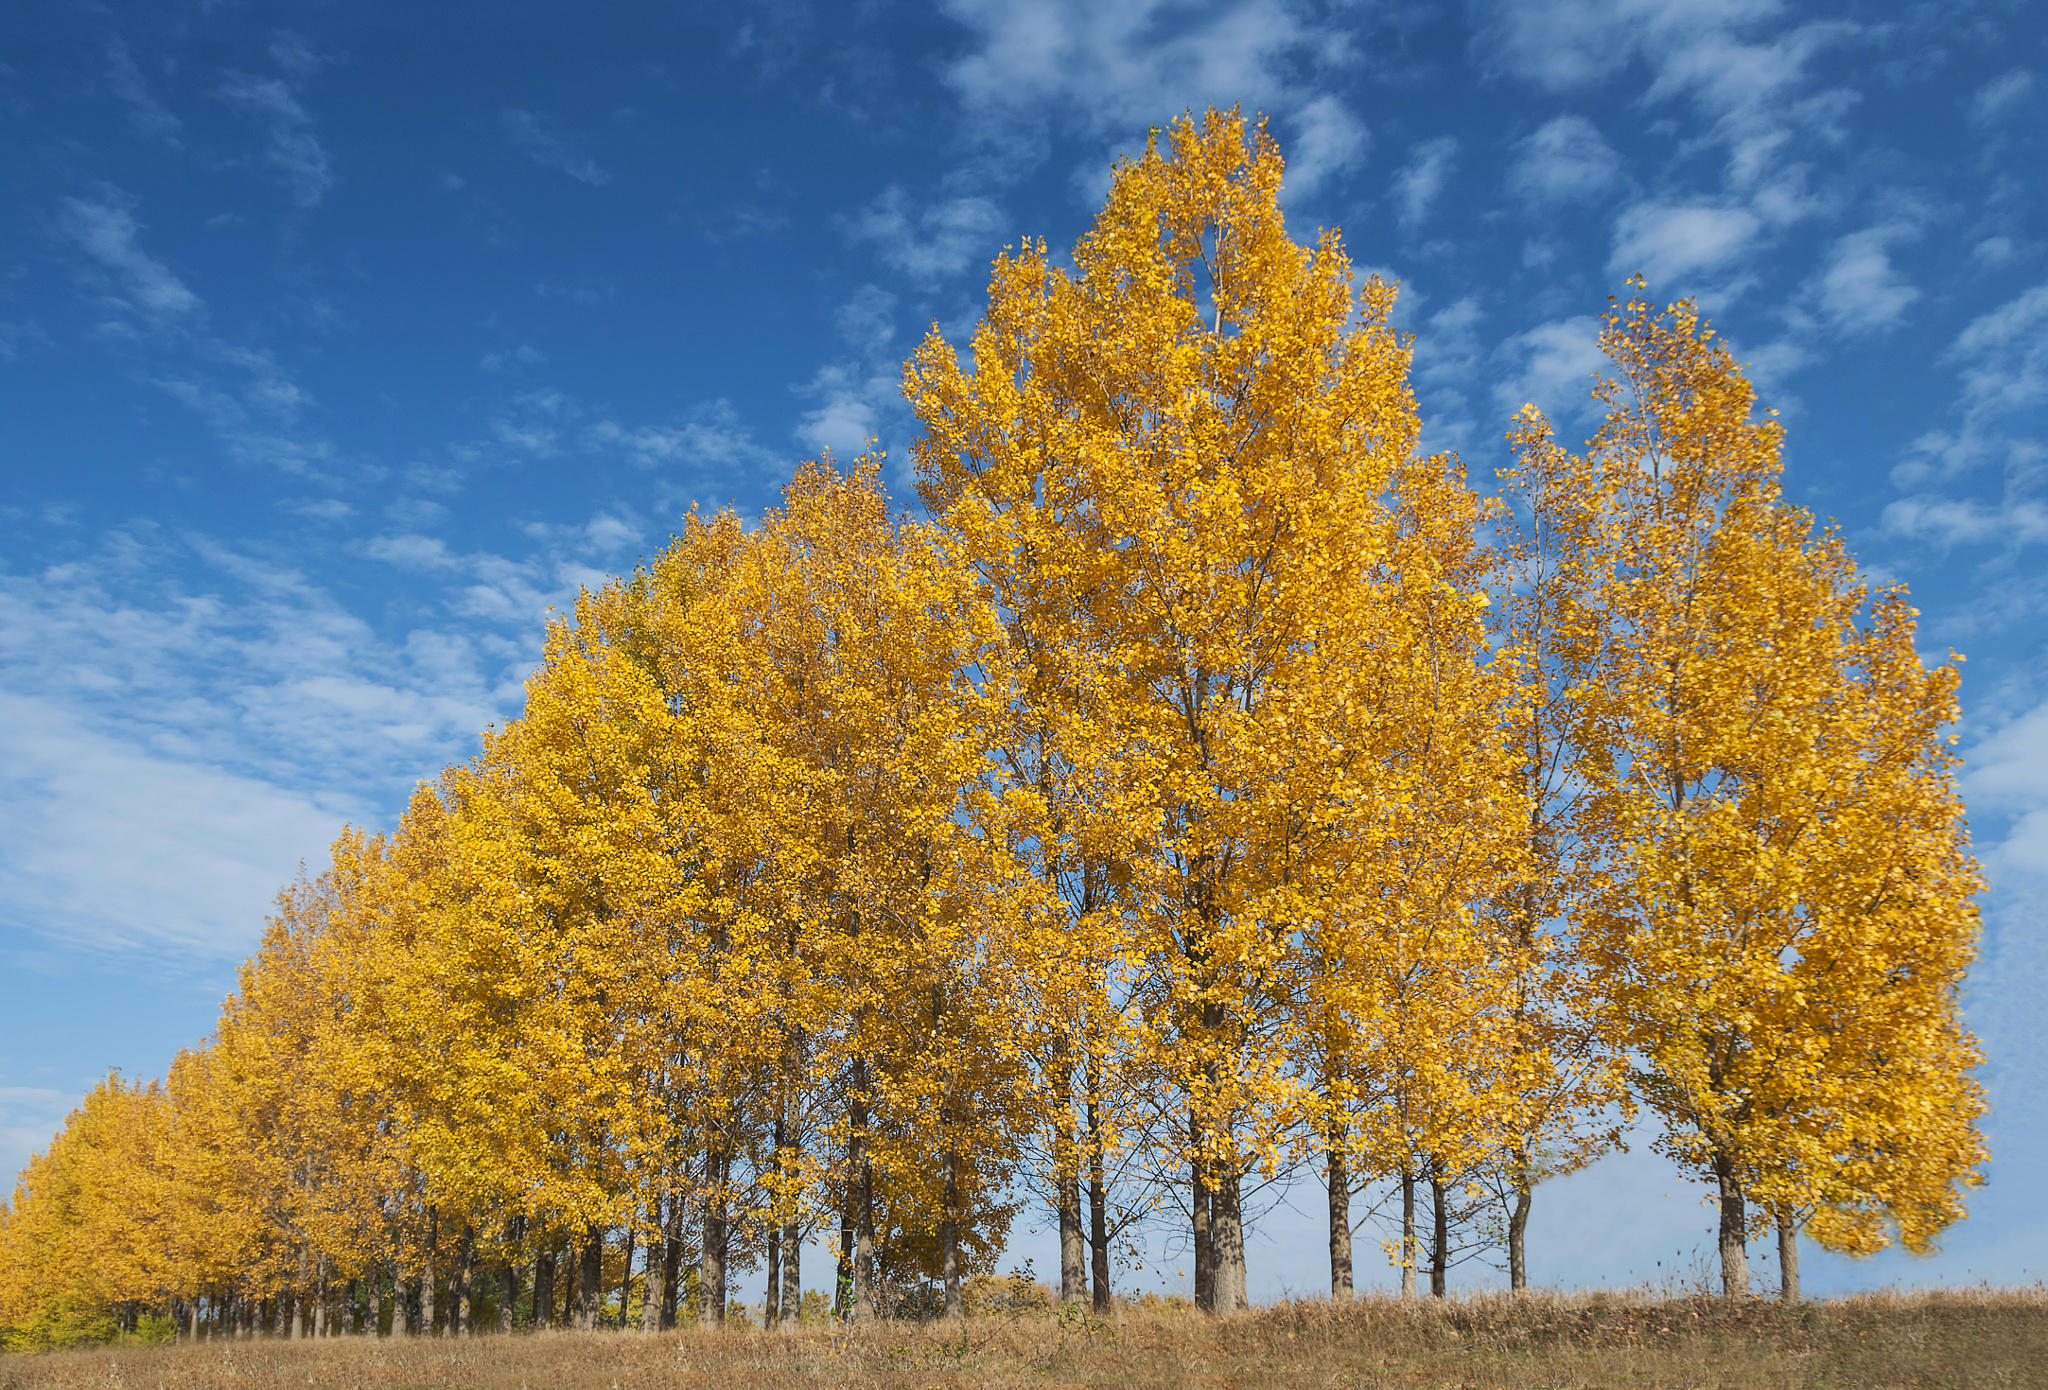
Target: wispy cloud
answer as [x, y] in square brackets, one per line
[147, 116]
[1423, 178]
[1671, 243]
[291, 147]
[536, 137]
[2001, 96]
[1329, 141]
[1860, 289]
[929, 243]
[105, 228]
[1565, 160]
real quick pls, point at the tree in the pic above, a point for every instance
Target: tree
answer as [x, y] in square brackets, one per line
[1789, 912]
[1171, 467]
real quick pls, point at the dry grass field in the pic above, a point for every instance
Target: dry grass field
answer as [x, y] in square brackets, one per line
[1959, 1339]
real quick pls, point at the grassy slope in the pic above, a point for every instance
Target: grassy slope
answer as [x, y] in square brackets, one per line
[1978, 1338]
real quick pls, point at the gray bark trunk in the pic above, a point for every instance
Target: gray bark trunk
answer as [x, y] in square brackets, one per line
[1788, 1257]
[1734, 1236]
[1227, 1235]
[1408, 1248]
[949, 1238]
[1337, 1177]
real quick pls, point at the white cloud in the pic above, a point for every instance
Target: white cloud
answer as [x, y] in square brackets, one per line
[1966, 521]
[711, 437]
[1551, 366]
[1565, 160]
[146, 116]
[931, 243]
[292, 149]
[1420, 181]
[1861, 290]
[2001, 96]
[106, 230]
[1566, 44]
[2002, 359]
[1328, 141]
[1134, 63]
[536, 137]
[202, 850]
[525, 355]
[1669, 242]
[1744, 72]
[848, 412]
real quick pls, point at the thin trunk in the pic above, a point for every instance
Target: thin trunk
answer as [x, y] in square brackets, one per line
[861, 1179]
[842, 1288]
[654, 1297]
[792, 1275]
[1734, 1229]
[1440, 1243]
[711, 1254]
[1226, 1233]
[192, 1321]
[320, 1296]
[1524, 1175]
[1408, 1251]
[1098, 1193]
[508, 1293]
[949, 1237]
[1788, 1257]
[462, 1297]
[589, 1273]
[1337, 1173]
[672, 1261]
[1067, 1183]
[626, 1279]
[300, 1314]
[355, 1317]
[1199, 1214]
[771, 1293]
[543, 1289]
[377, 1303]
[428, 1278]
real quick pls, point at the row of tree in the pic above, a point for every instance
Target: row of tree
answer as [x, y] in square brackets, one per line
[1215, 787]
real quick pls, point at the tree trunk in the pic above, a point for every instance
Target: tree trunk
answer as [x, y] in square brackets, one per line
[711, 1255]
[1098, 1194]
[508, 1293]
[1067, 1178]
[671, 1260]
[543, 1289]
[1338, 1181]
[462, 1297]
[1226, 1233]
[589, 1274]
[949, 1237]
[428, 1277]
[355, 1317]
[860, 1177]
[1440, 1243]
[1518, 1223]
[320, 1296]
[377, 1303]
[626, 1244]
[1199, 1214]
[771, 1291]
[792, 1275]
[1408, 1249]
[842, 1288]
[1734, 1229]
[1788, 1257]
[655, 1296]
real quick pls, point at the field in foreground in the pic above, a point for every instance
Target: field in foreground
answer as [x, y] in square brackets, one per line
[1972, 1338]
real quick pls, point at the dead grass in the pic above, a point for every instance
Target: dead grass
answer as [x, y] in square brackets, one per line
[1961, 1339]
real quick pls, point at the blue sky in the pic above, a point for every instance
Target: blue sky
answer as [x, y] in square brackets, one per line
[339, 342]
